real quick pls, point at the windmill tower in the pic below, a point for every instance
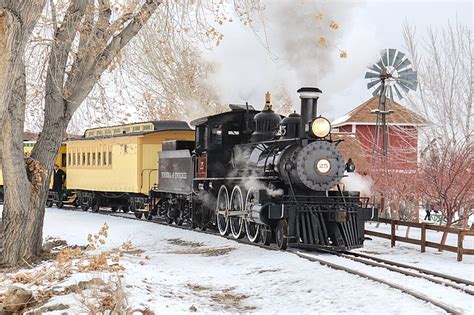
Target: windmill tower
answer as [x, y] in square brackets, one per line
[393, 72]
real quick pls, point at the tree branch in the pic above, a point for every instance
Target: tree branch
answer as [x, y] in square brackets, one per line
[83, 83]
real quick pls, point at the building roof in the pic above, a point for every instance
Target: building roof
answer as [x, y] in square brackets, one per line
[351, 148]
[362, 115]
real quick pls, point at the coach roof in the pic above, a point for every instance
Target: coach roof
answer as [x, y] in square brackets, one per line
[139, 128]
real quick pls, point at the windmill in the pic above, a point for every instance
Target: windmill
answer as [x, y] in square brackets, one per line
[393, 72]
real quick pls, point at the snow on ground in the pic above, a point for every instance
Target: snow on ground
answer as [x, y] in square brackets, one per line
[213, 274]
[432, 259]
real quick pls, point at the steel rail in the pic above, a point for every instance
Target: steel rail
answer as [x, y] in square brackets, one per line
[307, 256]
[420, 296]
[423, 273]
[421, 270]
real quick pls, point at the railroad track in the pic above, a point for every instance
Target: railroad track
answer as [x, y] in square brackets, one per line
[448, 281]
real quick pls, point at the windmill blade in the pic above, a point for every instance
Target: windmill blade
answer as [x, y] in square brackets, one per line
[406, 71]
[384, 56]
[390, 92]
[404, 64]
[409, 84]
[398, 59]
[409, 77]
[391, 55]
[377, 90]
[403, 87]
[371, 75]
[399, 95]
[371, 84]
[380, 64]
[375, 68]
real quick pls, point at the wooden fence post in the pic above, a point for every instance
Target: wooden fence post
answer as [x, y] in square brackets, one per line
[392, 234]
[460, 244]
[423, 237]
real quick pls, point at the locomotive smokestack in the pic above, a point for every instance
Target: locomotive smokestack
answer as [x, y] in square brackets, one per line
[309, 105]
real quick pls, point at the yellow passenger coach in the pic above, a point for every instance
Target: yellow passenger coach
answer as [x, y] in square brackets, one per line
[117, 166]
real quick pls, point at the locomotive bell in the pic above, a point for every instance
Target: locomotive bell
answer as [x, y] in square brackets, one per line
[309, 105]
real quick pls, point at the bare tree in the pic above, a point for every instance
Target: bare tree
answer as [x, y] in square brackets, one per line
[85, 43]
[444, 60]
[447, 180]
[174, 80]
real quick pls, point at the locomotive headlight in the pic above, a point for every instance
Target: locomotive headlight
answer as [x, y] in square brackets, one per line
[323, 166]
[321, 127]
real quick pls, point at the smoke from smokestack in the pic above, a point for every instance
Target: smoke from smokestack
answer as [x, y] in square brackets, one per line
[296, 55]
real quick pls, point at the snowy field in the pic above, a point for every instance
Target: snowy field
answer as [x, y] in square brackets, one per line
[183, 271]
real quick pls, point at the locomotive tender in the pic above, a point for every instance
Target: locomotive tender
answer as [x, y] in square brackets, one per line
[268, 177]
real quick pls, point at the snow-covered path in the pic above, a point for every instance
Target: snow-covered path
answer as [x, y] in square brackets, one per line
[186, 270]
[239, 278]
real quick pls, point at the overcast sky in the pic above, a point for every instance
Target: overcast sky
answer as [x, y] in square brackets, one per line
[246, 70]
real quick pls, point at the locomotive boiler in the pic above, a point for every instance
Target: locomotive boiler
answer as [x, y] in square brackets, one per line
[269, 177]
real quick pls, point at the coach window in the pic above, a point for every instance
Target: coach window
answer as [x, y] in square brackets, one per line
[105, 158]
[216, 136]
[99, 160]
[74, 158]
[88, 158]
[63, 159]
[83, 158]
[110, 157]
[69, 159]
[93, 158]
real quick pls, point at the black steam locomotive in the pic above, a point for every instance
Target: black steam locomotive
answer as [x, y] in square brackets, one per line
[263, 175]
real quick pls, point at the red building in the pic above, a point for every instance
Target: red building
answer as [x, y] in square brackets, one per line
[402, 129]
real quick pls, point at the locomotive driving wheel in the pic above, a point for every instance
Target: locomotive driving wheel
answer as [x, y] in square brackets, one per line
[251, 228]
[222, 209]
[237, 221]
[281, 234]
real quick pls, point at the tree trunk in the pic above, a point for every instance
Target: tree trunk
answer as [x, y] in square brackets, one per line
[449, 218]
[17, 19]
[17, 216]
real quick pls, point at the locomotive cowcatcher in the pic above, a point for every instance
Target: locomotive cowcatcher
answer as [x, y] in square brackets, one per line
[269, 177]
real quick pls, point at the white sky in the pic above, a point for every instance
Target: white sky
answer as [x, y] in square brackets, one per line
[246, 71]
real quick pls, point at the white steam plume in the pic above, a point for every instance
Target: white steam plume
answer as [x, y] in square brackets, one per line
[357, 182]
[291, 29]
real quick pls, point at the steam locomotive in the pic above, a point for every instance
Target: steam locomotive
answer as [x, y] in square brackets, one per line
[263, 175]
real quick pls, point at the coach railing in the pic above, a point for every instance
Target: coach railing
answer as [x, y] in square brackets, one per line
[393, 237]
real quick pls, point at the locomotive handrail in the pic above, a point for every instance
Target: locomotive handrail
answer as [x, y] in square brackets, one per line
[149, 175]
[287, 199]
